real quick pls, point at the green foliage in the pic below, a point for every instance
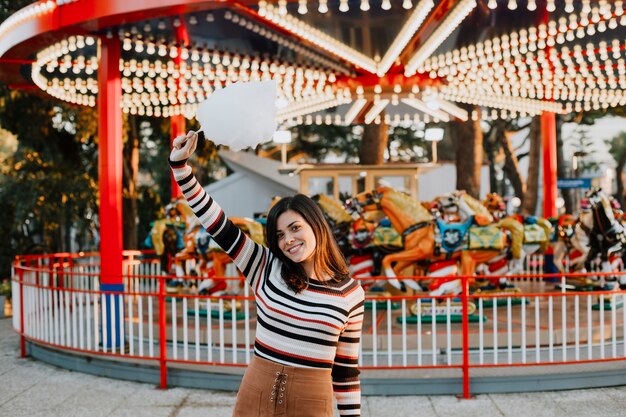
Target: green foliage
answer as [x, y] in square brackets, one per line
[407, 144]
[314, 143]
[5, 288]
[584, 150]
[617, 145]
[49, 183]
[319, 141]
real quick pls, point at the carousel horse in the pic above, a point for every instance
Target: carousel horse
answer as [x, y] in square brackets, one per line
[537, 230]
[607, 237]
[484, 232]
[593, 241]
[571, 245]
[338, 218]
[421, 242]
[363, 239]
[207, 259]
[166, 236]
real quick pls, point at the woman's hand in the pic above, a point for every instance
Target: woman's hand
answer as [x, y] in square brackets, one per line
[184, 146]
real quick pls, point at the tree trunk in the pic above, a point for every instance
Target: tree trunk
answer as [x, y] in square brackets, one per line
[63, 225]
[511, 164]
[374, 143]
[567, 194]
[529, 206]
[131, 168]
[491, 150]
[619, 177]
[469, 154]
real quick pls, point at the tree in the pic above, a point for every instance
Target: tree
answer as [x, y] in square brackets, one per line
[529, 202]
[469, 153]
[374, 143]
[617, 149]
[49, 184]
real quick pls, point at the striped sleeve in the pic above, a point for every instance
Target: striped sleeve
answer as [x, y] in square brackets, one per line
[346, 383]
[249, 256]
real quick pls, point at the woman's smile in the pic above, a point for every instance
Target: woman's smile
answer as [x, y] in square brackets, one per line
[296, 238]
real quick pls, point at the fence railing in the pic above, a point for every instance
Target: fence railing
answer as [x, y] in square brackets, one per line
[58, 302]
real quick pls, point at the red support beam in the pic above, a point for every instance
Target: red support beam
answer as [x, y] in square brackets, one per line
[548, 142]
[177, 128]
[548, 135]
[110, 161]
[178, 123]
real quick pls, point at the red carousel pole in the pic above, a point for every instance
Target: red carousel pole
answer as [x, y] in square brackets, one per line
[178, 123]
[548, 137]
[110, 181]
[548, 143]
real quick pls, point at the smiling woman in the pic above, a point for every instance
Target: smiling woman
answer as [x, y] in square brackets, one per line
[310, 312]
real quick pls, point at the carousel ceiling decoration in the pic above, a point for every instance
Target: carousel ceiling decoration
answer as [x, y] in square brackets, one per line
[357, 61]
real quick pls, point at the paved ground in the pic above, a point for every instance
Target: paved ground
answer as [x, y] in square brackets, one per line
[29, 388]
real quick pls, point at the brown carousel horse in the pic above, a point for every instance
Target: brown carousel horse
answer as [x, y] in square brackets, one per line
[417, 227]
[537, 230]
[486, 228]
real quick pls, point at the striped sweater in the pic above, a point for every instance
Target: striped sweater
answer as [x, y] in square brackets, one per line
[320, 327]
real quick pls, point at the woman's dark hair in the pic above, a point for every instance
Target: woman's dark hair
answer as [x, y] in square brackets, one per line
[327, 258]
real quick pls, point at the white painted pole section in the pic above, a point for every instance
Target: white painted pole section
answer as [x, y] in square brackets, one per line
[150, 327]
[404, 344]
[389, 341]
[185, 330]
[174, 327]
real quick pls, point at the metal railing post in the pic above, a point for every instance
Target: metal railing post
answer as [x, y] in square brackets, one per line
[20, 275]
[466, 370]
[162, 334]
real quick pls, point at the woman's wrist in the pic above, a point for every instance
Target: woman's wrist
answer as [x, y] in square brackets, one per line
[177, 164]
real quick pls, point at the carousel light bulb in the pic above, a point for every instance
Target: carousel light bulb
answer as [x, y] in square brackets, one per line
[302, 9]
[385, 5]
[550, 6]
[282, 7]
[365, 5]
[512, 5]
[407, 4]
[343, 6]
[323, 6]
[492, 4]
[532, 5]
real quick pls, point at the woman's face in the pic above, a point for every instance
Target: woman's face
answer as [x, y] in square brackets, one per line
[295, 237]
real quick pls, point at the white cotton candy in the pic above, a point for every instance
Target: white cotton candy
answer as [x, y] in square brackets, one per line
[240, 115]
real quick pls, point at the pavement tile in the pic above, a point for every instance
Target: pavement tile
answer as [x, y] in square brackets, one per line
[397, 407]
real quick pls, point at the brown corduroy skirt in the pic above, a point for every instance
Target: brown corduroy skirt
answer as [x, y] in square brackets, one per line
[271, 389]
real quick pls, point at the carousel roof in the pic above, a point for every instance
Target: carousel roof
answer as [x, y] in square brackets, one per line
[335, 61]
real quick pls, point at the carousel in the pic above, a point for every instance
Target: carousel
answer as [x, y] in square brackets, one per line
[458, 297]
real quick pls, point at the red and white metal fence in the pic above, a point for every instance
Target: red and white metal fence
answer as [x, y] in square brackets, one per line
[57, 302]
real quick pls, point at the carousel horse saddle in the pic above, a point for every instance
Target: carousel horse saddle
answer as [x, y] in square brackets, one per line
[533, 233]
[486, 237]
[452, 236]
[387, 236]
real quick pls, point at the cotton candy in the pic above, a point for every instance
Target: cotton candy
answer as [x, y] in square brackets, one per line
[241, 115]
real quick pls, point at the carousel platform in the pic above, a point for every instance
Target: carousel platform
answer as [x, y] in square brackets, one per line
[32, 388]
